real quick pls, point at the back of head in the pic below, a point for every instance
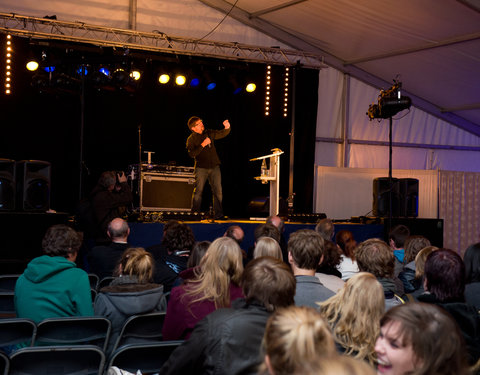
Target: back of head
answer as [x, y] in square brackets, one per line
[420, 260]
[296, 335]
[347, 243]
[178, 237]
[267, 230]
[270, 282]
[399, 234]
[61, 240]
[267, 246]
[445, 275]
[235, 232]
[107, 179]
[331, 255]
[413, 245]
[306, 248]
[376, 257]
[472, 263]
[118, 229]
[138, 263]
[435, 338]
[325, 228]
[276, 221]
[198, 251]
[335, 365]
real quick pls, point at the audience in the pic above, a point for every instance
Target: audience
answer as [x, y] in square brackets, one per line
[52, 286]
[420, 260]
[335, 365]
[295, 336]
[413, 245]
[347, 244]
[472, 275]
[396, 239]
[215, 284]
[327, 271]
[354, 315]
[418, 338]
[267, 246]
[131, 292]
[264, 230]
[305, 253]
[278, 222]
[325, 228]
[228, 341]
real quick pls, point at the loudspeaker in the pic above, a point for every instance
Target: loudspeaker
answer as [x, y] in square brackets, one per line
[381, 197]
[160, 192]
[7, 184]
[33, 185]
[408, 190]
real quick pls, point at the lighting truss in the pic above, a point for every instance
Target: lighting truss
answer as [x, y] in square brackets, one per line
[41, 28]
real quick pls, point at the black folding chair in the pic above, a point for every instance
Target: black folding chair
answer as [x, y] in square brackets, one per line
[86, 330]
[94, 280]
[104, 282]
[7, 305]
[58, 360]
[148, 358]
[4, 363]
[16, 331]
[7, 282]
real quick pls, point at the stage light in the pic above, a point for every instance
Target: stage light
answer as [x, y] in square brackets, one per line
[195, 82]
[49, 69]
[211, 86]
[163, 78]
[120, 77]
[251, 87]
[390, 102]
[268, 80]
[285, 92]
[8, 67]
[104, 71]
[85, 70]
[180, 79]
[135, 75]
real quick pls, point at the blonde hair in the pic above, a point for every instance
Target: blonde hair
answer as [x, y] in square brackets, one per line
[137, 262]
[420, 260]
[221, 265]
[354, 315]
[336, 365]
[293, 336]
[267, 246]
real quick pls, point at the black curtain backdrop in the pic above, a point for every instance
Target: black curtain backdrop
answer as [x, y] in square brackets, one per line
[44, 123]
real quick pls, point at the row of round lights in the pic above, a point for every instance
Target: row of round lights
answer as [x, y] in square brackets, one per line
[267, 90]
[181, 80]
[8, 65]
[285, 94]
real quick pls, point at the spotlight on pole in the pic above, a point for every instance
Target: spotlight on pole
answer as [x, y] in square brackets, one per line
[390, 102]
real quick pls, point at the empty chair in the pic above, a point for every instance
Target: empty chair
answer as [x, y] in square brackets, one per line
[57, 360]
[7, 282]
[7, 305]
[105, 282]
[92, 330]
[16, 331]
[141, 329]
[94, 280]
[148, 358]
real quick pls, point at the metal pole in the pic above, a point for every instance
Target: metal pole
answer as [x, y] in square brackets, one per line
[82, 126]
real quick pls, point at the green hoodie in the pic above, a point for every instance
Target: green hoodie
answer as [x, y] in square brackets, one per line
[52, 287]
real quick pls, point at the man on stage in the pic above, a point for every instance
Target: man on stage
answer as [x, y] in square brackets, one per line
[200, 146]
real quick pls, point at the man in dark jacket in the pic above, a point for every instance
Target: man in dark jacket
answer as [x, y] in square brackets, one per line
[228, 341]
[200, 146]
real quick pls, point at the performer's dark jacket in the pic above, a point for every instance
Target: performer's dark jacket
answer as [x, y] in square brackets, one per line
[205, 157]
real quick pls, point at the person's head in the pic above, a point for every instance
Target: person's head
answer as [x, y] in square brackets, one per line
[270, 282]
[61, 241]
[413, 244]
[195, 124]
[138, 263]
[235, 232]
[107, 180]
[376, 257]
[354, 314]
[420, 339]
[335, 365]
[293, 336]
[118, 230]
[397, 236]
[347, 243]
[198, 251]
[331, 255]
[445, 275]
[266, 230]
[305, 249]
[277, 222]
[472, 263]
[178, 237]
[420, 260]
[267, 246]
[325, 228]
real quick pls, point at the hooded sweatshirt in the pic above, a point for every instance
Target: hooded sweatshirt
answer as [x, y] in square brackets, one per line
[52, 287]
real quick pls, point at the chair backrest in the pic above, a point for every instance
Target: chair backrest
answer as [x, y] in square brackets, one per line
[143, 328]
[76, 330]
[57, 360]
[4, 364]
[105, 282]
[7, 305]
[148, 358]
[94, 280]
[17, 330]
[7, 282]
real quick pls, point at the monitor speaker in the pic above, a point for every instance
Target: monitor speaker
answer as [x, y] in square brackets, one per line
[408, 190]
[7, 184]
[382, 191]
[33, 185]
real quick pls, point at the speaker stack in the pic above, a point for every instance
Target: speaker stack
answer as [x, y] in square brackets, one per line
[401, 195]
[33, 185]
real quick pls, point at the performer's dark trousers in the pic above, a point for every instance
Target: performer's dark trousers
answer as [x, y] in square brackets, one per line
[214, 177]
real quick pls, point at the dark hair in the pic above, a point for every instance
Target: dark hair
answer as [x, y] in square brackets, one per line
[270, 282]
[376, 257]
[347, 243]
[61, 240]
[436, 340]
[232, 231]
[331, 255]
[306, 247]
[191, 121]
[445, 274]
[107, 179]
[399, 234]
[198, 251]
[325, 228]
[413, 245]
[471, 259]
[178, 237]
[267, 230]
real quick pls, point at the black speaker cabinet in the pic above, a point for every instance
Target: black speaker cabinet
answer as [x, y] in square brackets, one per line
[33, 185]
[408, 190]
[381, 197]
[166, 192]
[7, 184]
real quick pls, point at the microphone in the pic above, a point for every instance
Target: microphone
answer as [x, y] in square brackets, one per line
[208, 136]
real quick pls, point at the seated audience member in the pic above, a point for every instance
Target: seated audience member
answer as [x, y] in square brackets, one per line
[263, 230]
[236, 233]
[215, 285]
[103, 259]
[413, 245]
[445, 286]
[228, 341]
[418, 338]
[347, 244]
[374, 256]
[354, 314]
[396, 239]
[420, 260]
[327, 271]
[305, 253]
[277, 221]
[295, 336]
[335, 365]
[472, 275]
[131, 292]
[267, 246]
[198, 252]
[52, 286]
[325, 228]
